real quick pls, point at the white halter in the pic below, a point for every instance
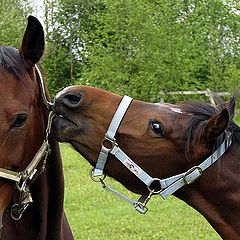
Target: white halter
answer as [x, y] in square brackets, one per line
[168, 185]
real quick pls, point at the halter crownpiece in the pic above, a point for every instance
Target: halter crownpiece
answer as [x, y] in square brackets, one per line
[169, 185]
[49, 105]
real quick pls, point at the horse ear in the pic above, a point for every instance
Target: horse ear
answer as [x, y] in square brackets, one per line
[215, 126]
[231, 107]
[33, 42]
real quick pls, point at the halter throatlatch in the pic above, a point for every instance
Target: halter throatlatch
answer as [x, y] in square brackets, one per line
[26, 177]
[168, 185]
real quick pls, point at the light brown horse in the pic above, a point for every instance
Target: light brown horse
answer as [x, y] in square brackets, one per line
[166, 142]
[27, 171]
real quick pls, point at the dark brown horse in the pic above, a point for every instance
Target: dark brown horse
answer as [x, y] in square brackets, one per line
[23, 119]
[170, 145]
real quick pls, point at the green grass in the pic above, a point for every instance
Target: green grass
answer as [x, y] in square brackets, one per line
[94, 213]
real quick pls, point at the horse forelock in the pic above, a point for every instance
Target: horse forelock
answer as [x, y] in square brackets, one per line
[11, 61]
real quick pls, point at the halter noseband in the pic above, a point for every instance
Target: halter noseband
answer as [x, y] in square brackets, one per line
[168, 186]
[26, 177]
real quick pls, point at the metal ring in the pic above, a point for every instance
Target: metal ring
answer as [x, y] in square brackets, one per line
[19, 210]
[97, 178]
[153, 190]
[14, 208]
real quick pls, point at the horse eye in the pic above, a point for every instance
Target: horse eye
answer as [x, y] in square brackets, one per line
[20, 121]
[157, 128]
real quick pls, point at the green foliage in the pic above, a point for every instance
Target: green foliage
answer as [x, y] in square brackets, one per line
[143, 47]
[136, 47]
[13, 21]
[65, 55]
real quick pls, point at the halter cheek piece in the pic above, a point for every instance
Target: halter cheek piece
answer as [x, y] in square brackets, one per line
[26, 177]
[168, 185]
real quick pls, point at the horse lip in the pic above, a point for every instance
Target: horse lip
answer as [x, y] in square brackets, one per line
[65, 118]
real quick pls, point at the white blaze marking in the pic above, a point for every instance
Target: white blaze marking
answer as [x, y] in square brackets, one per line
[177, 110]
[62, 92]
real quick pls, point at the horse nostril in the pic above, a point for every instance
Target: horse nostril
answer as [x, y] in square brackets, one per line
[72, 100]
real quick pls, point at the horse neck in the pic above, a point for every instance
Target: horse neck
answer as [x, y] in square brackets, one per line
[44, 218]
[52, 211]
[216, 194]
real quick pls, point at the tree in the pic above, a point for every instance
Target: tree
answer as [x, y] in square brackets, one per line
[65, 54]
[13, 21]
[142, 47]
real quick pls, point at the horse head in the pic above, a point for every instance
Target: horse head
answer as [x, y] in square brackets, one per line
[159, 137]
[19, 111]
[24, 145]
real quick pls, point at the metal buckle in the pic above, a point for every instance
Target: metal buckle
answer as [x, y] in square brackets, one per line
[188, 179]
[228, 140]
[108, 141]
[97, 178]
[141, 207]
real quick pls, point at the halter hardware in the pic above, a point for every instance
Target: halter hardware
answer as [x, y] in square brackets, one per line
[108, 143]
[26, 177]
[187, 177]
[96, 178]
[154, 191]
[168, 185]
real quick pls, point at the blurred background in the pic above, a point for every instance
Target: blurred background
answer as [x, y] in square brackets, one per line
[148, 49]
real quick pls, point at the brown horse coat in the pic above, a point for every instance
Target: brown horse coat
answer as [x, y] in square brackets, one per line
[23, 119]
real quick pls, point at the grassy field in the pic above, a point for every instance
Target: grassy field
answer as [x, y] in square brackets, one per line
[96, 214]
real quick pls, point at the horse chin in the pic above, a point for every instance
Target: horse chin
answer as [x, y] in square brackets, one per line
[63, 128]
